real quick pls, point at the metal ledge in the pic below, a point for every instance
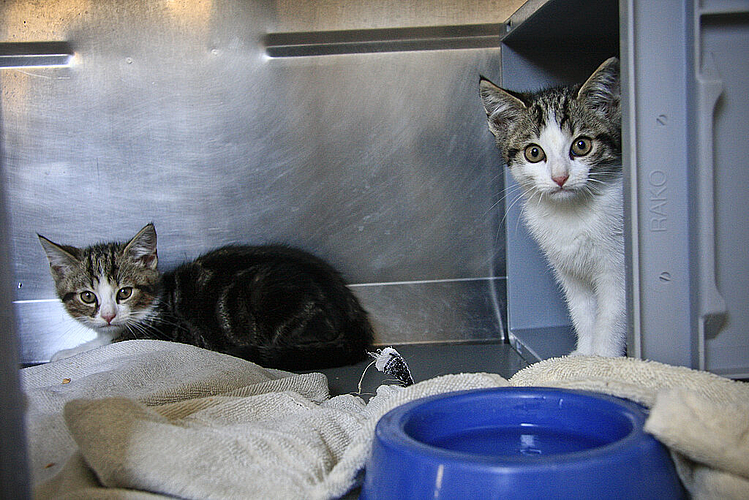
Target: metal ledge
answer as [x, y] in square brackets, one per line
[322, 43]
[35, 54]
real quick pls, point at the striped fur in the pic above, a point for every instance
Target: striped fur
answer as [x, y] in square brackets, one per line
[563, 147]
[274, 305]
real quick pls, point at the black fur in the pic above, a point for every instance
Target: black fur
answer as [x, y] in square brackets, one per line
[277, 306]
[274, 305]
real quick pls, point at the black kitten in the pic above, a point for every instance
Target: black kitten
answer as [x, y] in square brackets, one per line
[276, 306]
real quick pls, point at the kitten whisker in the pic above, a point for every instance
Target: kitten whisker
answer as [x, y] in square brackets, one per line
[149, 328]
[512, 204]
[517, 192]
[594, 183]
[529, 195]
[508, 191]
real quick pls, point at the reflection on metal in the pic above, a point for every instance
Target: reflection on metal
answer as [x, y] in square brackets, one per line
[448, 311]
[381, 40]
[35, 54]
[380, 163]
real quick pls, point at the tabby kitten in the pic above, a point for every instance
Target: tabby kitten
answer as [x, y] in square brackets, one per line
[563, 146]
[273, 305]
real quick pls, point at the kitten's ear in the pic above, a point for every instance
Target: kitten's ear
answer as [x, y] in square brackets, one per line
[602, 91]
[62, 259]
[502, 108]
[142, 248]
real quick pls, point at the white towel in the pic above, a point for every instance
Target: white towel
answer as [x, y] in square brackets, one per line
[710, 442]
[703, 418]
[150, 419]
[152, 372]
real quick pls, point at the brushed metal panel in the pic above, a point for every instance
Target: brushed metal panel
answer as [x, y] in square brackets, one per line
[46, 328]
[448, 311]
[14, 471]
[326, 15]
[174, 113]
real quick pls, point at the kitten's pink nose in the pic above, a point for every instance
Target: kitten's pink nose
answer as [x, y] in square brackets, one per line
[560, 179]
[108, 316]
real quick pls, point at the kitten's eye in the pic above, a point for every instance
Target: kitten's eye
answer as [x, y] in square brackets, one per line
[124, 293]
[581, 146]
[534, 153]
[87, 297]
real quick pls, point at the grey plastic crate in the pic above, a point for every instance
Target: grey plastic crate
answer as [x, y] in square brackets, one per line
[688, 99]
[685, 71]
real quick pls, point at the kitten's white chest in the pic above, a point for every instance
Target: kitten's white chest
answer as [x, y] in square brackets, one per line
[584, 238]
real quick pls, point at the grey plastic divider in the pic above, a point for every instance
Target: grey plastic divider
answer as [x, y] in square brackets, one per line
[686, 74]
[721, 74]
[657, 181]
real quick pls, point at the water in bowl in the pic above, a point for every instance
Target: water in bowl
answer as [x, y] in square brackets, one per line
[527, 440]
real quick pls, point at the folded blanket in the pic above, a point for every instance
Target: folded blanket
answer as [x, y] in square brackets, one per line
[701, 417]
[151, 372]
[151, 419]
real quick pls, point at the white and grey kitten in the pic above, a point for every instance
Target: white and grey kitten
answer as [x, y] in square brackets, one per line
[563, 146]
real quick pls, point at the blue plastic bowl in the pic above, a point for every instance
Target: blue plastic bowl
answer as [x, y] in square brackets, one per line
[518, 443]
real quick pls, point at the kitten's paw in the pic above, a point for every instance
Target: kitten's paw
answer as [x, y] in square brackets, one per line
[609, 353]
[604, 353]
[578, 352]
[65, 353]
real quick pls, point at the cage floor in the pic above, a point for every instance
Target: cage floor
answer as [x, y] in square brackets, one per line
[426, 361]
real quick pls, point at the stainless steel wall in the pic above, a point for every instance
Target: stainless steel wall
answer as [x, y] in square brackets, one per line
[372, 154]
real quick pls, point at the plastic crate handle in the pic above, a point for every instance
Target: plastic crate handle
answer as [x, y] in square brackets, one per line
[712, 306]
